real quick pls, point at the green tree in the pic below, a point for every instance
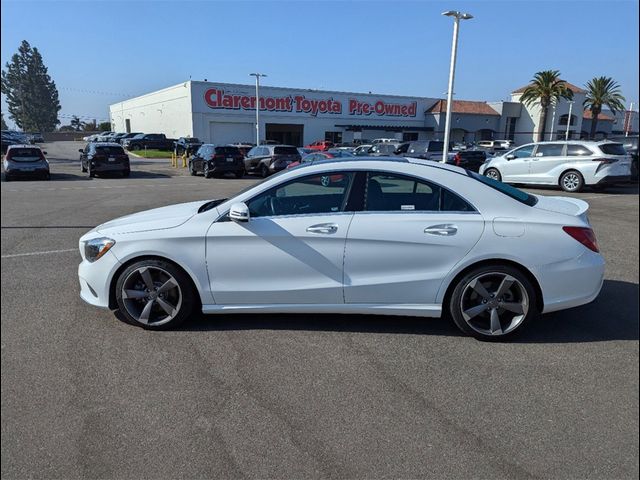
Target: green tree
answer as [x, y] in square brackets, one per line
[104, 126]
[75, 123]
[602, 91]
[3, 123]
[545, 87]
[91, 126]
[32, 97]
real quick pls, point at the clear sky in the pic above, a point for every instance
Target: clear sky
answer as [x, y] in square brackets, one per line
[100, 52]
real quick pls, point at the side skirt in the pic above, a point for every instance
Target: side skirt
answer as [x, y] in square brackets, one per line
[414, 310]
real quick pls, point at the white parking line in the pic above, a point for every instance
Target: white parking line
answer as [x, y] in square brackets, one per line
[39, 253]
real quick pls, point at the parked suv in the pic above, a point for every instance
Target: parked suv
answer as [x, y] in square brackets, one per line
[571, 165]
[213, 160]
[104, 157]
[268, 159]
[25, 161]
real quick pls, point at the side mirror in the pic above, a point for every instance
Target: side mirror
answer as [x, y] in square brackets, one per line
[80, 150]
[45, 152]
[239, 212]
[510, 156]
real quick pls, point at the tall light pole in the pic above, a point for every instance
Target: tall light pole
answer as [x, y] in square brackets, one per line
[566, 135]
[257, 75]
[452, 73]
[629, 120]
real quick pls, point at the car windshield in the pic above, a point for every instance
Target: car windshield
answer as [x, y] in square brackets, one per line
[508, 190]
[25, 155]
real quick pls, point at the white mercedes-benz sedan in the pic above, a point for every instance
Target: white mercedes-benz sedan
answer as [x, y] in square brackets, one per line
[391, 236]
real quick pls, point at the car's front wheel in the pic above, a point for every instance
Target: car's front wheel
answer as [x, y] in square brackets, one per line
[155, 294]
[493, 302]
[206, 171]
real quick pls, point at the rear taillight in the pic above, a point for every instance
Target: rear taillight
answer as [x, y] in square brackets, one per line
[457, 159]
[585, 236]
[604, 162]
[218, 156]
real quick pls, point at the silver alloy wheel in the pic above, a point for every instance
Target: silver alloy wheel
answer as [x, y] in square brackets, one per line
[494, 303]
[571, 181]
[151, 295]
[493, 174]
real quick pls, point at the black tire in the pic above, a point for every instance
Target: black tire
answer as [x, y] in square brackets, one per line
[571, 181]
[599, 188]
[47, 176]
[493, 173]
[83, 169]
[91, 172]
[181, 297]
[207, 173]
[473, 312]
[264, 171]
[239, 173]
[126, 173]
[192, 169]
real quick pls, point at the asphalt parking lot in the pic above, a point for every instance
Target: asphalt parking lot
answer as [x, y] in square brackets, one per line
[287, 396]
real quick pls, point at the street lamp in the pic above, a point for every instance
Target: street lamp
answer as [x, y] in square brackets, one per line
[452, 72]
[257, 75]
[566, 135]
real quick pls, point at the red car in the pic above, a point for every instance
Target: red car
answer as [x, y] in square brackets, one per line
[320, 145]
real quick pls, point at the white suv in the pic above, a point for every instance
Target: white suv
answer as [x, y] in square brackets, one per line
[571, 165]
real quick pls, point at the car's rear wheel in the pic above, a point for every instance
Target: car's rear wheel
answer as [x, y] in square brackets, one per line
[155, 294]
[493, 173]
[264, 171]
[493, 302]
[571, 181]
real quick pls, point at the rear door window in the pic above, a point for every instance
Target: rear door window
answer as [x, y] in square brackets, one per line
[578, 150]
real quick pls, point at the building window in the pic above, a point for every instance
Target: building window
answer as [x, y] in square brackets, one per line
[564, 119]
[409, 136]
[333, 137]
[510, 133]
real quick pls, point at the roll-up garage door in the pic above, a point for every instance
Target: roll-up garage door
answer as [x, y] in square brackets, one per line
[222, 133]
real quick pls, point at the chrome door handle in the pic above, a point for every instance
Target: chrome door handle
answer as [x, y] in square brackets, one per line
[445, 230]
[325, 228]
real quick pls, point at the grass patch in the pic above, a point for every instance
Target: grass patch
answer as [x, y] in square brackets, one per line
[152, 153]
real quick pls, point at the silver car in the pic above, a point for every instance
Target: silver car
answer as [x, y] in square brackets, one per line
[25, 161]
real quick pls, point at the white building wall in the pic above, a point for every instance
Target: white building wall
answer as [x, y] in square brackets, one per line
[165, 111]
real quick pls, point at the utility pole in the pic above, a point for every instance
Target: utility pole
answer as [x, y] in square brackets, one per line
[566, 135]
[257, 75]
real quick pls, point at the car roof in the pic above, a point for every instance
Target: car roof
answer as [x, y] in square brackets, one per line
[106, 144]
[22, 145]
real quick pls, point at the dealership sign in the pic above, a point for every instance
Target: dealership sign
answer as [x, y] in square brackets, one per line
[217, 98]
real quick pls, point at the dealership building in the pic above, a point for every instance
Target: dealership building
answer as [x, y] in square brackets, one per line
[225, 113]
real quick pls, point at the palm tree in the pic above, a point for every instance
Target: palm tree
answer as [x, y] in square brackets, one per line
[602, 91]
[545, 88]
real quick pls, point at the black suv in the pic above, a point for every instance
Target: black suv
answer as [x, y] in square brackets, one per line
[102, 157]
[213, 160]
[156, 141]
[268, 159]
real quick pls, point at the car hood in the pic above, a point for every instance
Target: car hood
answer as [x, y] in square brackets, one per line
[155, 219]
[565, 205]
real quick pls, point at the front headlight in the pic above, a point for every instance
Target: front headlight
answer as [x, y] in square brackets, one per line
[97, 247]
